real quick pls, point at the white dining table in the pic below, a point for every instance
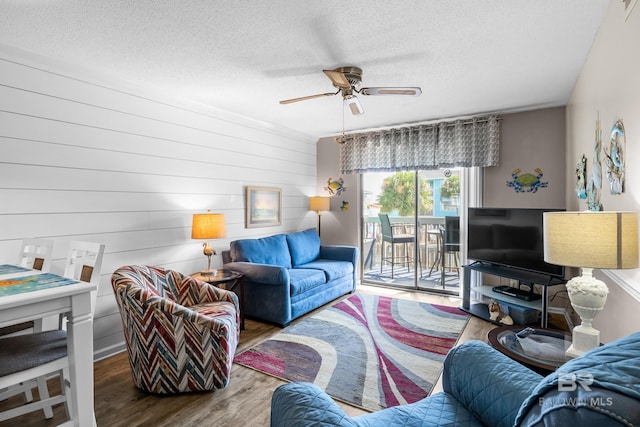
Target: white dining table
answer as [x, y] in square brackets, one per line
[23, 298]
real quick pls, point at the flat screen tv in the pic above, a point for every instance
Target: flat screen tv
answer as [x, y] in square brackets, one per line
[509, 237]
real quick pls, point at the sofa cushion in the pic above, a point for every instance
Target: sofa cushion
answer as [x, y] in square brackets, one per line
[304, 246]
[332, 269]
[272, 250]
[302, 280]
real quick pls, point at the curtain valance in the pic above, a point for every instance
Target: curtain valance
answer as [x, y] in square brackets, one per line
[461, 143]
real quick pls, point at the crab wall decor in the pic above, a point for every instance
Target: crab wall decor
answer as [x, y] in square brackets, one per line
[527, 182]
[335, 188]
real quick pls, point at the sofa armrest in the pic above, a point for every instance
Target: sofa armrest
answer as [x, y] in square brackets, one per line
[302, 404]
[261, 273]
[339, 253]
[488, 383]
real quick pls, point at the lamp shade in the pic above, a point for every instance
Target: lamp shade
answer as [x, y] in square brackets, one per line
[591, 239]
[208, 226]
[319, 203]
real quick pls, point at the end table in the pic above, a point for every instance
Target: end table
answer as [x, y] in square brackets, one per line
[228, 280]
[552, 344]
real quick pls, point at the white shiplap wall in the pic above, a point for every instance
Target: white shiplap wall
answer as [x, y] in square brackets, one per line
[83, 157]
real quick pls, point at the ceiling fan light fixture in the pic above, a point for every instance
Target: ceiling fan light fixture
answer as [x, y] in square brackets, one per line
[347, 80]
[353, 104]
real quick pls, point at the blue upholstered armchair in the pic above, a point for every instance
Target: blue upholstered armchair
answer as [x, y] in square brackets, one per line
[482, 387]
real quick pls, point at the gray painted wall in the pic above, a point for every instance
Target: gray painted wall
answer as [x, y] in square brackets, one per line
[608, 88]
[528, 140]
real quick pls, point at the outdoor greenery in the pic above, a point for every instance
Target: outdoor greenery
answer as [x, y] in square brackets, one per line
[450, 187]
[398, 194]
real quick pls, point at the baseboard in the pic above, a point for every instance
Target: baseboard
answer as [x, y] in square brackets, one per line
[109, 351]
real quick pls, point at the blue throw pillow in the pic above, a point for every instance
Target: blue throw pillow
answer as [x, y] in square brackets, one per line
[304, 246]
[270, 250]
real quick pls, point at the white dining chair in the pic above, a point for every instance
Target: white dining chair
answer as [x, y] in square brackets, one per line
[36, 254]
[84, 263]
[28, 359]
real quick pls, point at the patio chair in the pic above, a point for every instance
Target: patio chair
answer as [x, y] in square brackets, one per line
[449, 244]
[389, 235]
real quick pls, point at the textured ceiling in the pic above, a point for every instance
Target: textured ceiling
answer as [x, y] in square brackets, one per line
[468, 56]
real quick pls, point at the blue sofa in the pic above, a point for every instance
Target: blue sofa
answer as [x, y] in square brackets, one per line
[288, 275]
[482, 387]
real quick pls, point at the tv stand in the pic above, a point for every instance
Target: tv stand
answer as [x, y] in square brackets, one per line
[522, 276]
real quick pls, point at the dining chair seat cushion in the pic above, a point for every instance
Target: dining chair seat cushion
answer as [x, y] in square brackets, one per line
[22, 352]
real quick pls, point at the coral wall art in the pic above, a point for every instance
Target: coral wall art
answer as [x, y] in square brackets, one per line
[614, 157]
[595, 181]
[581, 173]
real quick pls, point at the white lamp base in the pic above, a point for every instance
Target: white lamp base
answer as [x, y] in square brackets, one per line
[588, 296]
[584, 339]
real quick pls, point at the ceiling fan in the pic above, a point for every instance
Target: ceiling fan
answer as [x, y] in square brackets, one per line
[348, 80]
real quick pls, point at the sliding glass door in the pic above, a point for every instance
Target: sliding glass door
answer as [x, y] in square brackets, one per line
[419, 249]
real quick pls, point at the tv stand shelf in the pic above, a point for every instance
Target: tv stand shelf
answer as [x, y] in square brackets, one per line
[489, 292]
[522, 276]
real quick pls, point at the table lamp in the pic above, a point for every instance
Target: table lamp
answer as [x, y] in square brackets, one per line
[319, 204]
[590, 240]
[208, 226]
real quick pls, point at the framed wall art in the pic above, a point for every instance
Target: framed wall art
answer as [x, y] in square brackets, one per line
[264, 207]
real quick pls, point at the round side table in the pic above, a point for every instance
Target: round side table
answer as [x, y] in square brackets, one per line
[545, 349]
[228, 280]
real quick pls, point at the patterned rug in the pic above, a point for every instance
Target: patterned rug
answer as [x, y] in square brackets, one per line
[367, 350]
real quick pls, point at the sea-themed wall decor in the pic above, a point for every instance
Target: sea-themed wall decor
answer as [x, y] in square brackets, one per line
[527, 182]
[344, 206]
[614, 157]
[335, 187]
[581, 173]
[595, 181]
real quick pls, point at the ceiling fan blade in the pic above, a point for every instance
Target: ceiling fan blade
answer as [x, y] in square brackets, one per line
[410, 91]
[304, 98]
[337, 78]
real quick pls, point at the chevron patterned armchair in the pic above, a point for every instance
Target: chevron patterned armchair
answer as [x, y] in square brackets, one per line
[181, 333]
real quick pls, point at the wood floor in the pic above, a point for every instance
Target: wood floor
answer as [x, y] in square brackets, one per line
[245, 402]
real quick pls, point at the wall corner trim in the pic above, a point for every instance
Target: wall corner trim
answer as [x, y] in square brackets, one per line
[627, 284]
